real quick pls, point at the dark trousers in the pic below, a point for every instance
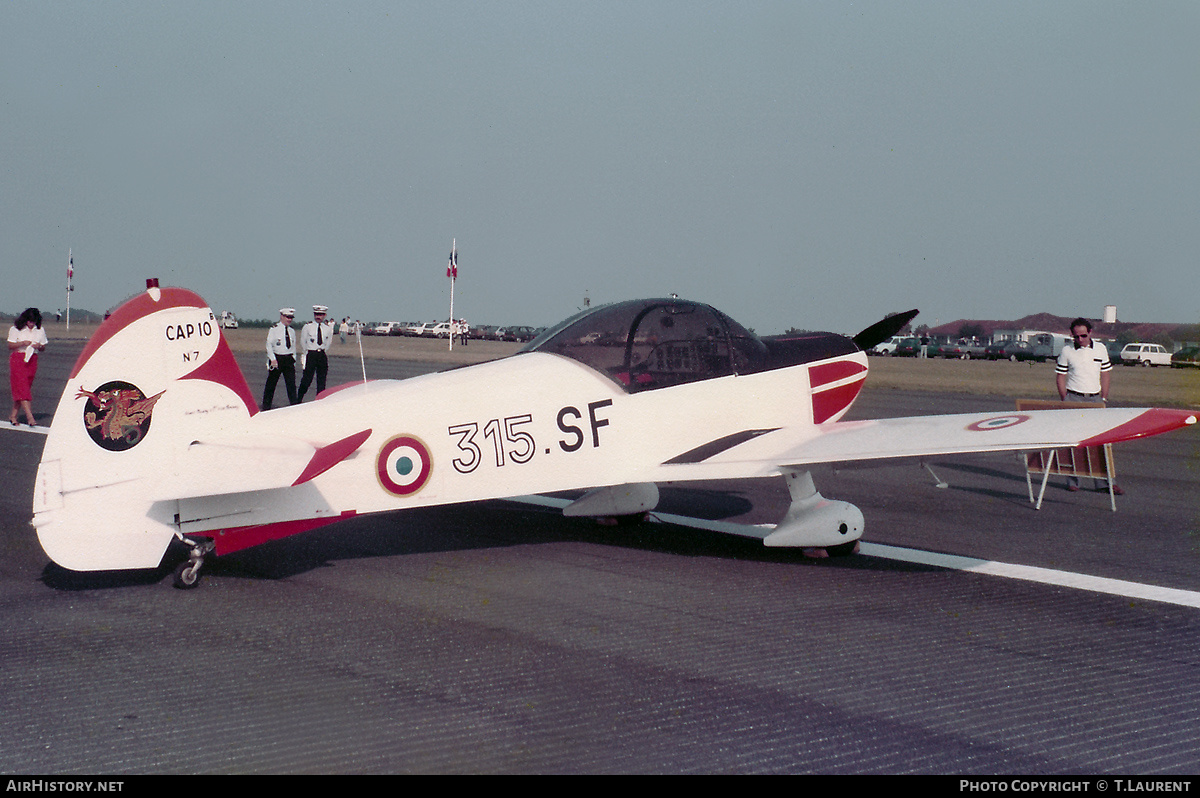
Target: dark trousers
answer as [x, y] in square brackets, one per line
[1072, 396]
[286, 366]
[315, 363]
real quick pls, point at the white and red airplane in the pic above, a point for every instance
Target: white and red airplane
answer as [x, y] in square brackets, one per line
[158, 438]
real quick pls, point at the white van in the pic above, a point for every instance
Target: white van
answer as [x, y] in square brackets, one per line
[888, 347]
[1145, 355]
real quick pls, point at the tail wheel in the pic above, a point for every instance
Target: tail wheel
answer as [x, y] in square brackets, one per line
[187, 575]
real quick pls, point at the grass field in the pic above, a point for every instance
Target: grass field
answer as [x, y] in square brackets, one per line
[1164, 387]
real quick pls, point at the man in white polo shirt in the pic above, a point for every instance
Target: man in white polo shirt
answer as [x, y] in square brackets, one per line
[1083, 374]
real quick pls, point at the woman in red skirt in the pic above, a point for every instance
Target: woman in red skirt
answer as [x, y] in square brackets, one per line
[25, 339]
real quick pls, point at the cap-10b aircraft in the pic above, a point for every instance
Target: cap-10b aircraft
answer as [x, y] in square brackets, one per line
[158, 438]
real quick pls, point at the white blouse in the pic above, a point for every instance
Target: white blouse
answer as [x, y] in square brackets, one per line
[27, 336]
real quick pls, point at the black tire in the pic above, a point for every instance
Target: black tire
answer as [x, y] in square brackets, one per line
[186, 576]
[842, 549]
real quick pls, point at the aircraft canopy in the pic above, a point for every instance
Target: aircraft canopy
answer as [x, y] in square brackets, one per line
[653, 343]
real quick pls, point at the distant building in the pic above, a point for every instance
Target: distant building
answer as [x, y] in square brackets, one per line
[1048, 324]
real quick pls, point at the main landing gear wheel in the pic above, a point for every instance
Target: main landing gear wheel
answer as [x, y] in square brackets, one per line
[631, 519]
[842, 549]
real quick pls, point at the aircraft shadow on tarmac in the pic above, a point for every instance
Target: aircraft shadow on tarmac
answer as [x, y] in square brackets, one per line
[1001, 473]
[492, 524]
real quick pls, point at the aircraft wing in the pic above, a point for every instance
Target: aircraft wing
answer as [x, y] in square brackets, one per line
[766, 452]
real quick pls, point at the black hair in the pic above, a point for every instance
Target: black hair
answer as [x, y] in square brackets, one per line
[1081, 322]
[29, 314]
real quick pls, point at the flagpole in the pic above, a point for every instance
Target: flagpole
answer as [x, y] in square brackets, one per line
[70, 274]
[452, 273]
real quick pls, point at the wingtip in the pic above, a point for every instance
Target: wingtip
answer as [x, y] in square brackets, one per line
[1154, 421]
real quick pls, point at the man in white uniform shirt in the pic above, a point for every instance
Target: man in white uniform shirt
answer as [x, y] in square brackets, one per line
[314, 342]
[1083, 374]
[281, 358]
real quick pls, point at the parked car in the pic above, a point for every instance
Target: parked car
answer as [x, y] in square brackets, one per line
[1145, 355]
[383, 328]
[439, 330]
[422, 329]
[948, 350]
[888, 347]
[521, 334]
[975, 349]
[995, 351]
[908, 347]
[228, 321]
[1189, 356]
[1019, 350]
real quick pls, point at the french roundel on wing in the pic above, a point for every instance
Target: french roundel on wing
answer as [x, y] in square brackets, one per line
[997, 422]
[403, 465]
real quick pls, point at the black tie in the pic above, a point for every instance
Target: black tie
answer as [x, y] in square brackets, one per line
[287, 337]
[319, 341]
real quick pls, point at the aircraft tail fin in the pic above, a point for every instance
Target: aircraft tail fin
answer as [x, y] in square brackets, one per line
[157, 375]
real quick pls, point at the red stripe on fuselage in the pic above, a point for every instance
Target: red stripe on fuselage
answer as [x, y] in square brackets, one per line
[227, 541]
[342, 387]
[825, 373]
[832, 401]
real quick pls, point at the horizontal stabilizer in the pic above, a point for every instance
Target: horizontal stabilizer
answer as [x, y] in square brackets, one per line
[327, 457]
[252, 463]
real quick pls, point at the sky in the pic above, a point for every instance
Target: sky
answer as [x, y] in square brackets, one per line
[795, 164]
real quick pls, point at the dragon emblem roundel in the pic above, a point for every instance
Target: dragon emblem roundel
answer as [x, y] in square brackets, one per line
[117, 414]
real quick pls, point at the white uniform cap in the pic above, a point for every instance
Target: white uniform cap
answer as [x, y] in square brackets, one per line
[320, 309]
[287, 311]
